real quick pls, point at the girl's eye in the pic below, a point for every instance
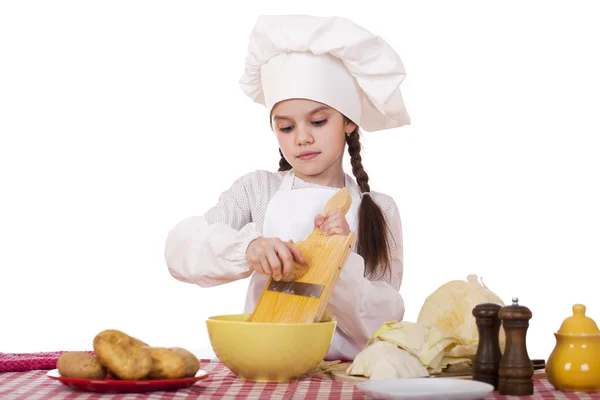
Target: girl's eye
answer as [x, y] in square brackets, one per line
[319, 123]
[286, 128]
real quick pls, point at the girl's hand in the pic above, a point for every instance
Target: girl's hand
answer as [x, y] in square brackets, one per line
[335, 223]
[272, 256]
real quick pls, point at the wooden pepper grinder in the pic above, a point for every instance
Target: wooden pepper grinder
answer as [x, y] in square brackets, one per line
[516, 369]
[486, 362]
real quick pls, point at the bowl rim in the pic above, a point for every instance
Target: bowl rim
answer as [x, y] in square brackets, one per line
[222, 319]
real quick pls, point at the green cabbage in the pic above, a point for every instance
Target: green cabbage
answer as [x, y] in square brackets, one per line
[445, 334]
[450, 308]
[384, 360]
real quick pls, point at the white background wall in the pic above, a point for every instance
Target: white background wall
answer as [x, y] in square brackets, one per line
[118, 119]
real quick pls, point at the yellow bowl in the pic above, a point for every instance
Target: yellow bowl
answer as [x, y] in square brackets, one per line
[269, 352]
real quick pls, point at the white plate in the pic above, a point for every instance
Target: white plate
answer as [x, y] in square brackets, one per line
[422, 389]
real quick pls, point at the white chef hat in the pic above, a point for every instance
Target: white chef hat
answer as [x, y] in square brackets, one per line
[329, 60]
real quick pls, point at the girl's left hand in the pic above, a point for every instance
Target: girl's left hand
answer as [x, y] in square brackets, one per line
[335, 223]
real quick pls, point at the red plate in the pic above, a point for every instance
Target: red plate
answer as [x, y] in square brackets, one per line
[118, 386]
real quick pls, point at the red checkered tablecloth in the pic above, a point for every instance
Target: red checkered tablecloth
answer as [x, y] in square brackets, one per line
[223, 384]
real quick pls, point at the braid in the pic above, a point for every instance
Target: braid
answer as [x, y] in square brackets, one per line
[283, 164]
[372, 244]
[362, 178]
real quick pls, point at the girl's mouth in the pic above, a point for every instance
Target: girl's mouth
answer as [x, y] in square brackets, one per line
[308, 156]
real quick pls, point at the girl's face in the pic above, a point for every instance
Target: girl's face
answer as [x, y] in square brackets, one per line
[312, 136]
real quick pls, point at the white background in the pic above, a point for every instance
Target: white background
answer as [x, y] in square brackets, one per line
[120, 118]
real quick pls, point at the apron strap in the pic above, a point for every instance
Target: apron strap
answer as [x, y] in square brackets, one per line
[288, 180]
[352, 187]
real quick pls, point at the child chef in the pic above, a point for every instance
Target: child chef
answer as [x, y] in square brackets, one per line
[320, 79]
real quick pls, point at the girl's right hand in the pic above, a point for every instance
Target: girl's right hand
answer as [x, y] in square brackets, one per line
[272, 256]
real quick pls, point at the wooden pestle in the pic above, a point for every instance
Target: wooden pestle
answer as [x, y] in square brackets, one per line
[486, 362]
[516, 369]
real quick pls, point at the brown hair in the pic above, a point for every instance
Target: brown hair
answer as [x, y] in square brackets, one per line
[372, 228]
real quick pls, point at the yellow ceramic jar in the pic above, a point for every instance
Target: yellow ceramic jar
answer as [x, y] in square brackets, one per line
[574, 364]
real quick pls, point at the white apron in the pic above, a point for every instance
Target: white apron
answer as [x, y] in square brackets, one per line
[290, 216]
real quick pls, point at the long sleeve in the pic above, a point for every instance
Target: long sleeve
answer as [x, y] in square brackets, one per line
[210, 250]
[362, 304]
[208, 254]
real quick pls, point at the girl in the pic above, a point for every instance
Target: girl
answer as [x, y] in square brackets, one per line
[321, 79]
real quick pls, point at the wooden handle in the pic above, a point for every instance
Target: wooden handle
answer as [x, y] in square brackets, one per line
[325, 256]
[341, 200]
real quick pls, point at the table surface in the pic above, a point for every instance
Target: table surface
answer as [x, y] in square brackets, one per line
[223, 384]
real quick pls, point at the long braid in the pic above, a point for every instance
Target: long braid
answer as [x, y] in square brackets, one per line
[372, 244]
[283, 164]
[362, 178]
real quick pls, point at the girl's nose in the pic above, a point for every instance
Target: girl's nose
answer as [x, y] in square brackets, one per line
[304, 135]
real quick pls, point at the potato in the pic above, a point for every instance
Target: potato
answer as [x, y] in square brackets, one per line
[79, 364]
[139, 342]
[123, 355]
[298, 270]
[166, 364]
[143, 344]
[192, 364]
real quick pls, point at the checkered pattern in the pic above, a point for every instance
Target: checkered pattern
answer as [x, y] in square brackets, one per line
[223, 384]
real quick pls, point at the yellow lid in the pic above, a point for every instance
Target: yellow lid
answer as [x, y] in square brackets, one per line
[579, 323]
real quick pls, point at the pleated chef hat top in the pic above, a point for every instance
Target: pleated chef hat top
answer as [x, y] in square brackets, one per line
[330, 60]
